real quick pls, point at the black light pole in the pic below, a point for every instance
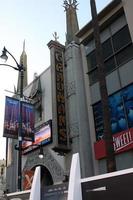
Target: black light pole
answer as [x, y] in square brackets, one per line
[19, 68]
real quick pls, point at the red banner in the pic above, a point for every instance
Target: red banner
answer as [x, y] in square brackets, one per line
[122, 142]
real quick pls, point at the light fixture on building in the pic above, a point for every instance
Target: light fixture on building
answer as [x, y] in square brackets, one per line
[41, 154]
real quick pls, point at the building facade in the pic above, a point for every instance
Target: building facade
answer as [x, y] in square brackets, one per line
[116, 40]
[67, 94]
[2, 177]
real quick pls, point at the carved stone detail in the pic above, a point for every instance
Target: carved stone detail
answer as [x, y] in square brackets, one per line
[70, 89]
[68, 54]
[48, 161]
[74, 130]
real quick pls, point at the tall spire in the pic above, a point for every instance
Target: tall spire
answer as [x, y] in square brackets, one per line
[71, 20]
[23, 61]
[24, 46]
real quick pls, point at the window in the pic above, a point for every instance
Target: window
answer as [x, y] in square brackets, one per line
[93, 76]
[121, 39]
[117, 50]
[109, 65]
[124, 55]
[91, 59]
[107, 49]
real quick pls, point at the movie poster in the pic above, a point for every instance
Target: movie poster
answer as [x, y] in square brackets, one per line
[27, 179]
[28, 121]
[11, 120]
[121, 112]
[12, 116]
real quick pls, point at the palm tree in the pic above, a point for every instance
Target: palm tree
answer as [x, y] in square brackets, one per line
[110, 159]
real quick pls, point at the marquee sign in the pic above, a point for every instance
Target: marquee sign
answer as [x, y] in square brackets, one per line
[122, 142]
[60, 139]
[60, 99]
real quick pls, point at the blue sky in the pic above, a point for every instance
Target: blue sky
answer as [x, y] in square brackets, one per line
[35, 21]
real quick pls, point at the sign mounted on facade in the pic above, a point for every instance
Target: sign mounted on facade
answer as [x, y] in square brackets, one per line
[60, 99]
[55, 192]
[122, 142]
[43, 136]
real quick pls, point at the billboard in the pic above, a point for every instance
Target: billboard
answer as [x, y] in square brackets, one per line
[121, 112]
[122, 142]
[11, 119]
[43, 136]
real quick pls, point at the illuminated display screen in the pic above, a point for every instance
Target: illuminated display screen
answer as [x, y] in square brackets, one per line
[43, 136]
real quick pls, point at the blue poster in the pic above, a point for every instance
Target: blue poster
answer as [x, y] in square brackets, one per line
[128, 102]
[118, 118]
[28, 121]
[121, 112]
[11, 120]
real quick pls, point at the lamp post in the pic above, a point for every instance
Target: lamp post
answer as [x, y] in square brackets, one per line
[19, 68]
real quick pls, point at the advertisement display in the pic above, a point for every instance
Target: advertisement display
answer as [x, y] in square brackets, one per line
[43, 136]
[27, 179]
[28, 121]
[11, 120]
[121, 112]
[128, 102]
[122, 142]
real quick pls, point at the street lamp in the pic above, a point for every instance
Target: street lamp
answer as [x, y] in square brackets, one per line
[20, 68]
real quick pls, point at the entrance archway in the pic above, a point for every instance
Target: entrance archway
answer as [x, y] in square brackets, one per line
[46, 178]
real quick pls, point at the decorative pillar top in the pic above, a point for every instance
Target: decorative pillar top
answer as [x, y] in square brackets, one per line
[71, 21]
[70, 3]
[55, 44]
[56, 37]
